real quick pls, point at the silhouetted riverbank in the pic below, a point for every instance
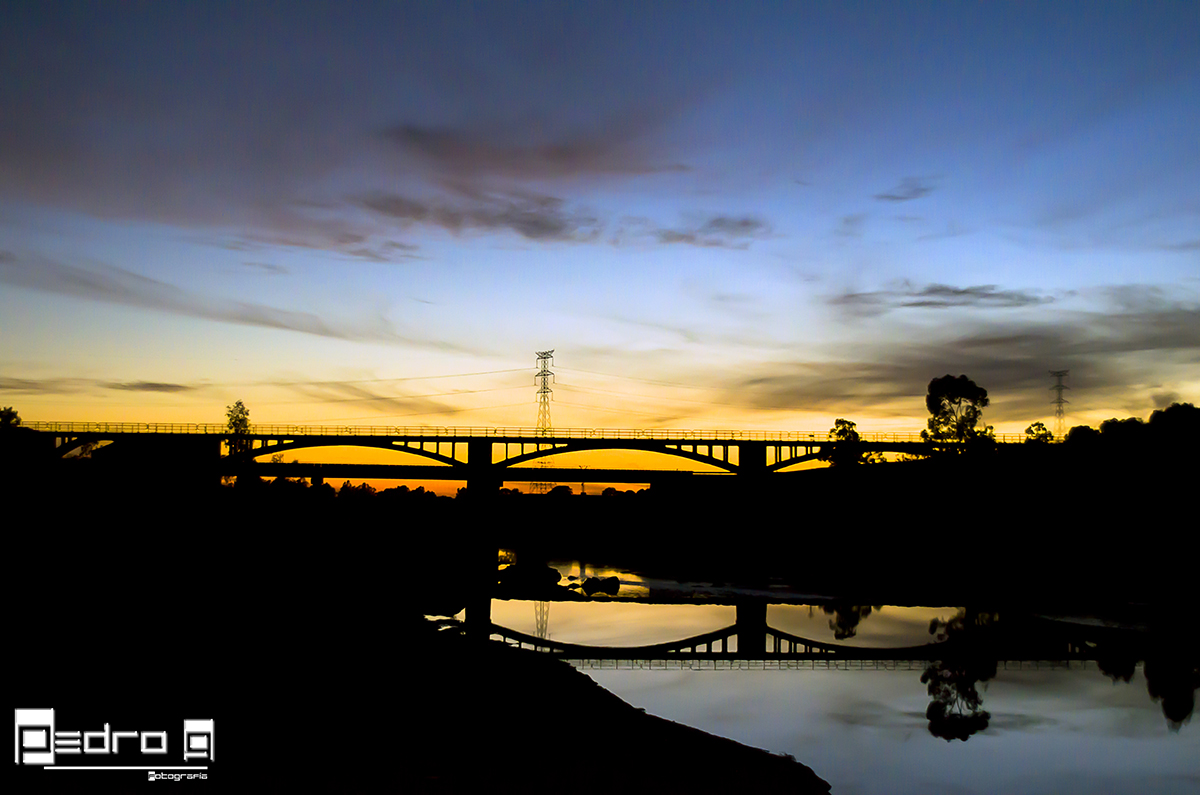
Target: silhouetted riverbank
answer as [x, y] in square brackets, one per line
[490, 713]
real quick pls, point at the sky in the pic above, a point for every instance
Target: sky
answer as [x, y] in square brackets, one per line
[718, 215]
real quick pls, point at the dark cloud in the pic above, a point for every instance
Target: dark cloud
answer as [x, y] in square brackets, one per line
[43, 386]
[1125, 358]
[115, 285]
[218, 122]
[534, 217]
[149, 386]
[716, 231]
[851, 225]
[1186, 245]
[59, 386]
[909, 188]
[935, 296]
[269, 268]
[1164, 399]
[463, 154]
[540, 217]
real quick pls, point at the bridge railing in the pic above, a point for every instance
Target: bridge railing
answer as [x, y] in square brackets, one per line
[428, 431]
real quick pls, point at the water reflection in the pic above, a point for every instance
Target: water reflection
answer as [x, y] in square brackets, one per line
[610, 613]
[956, 710]
[961, 646]
[1097, 703]
[846, 618]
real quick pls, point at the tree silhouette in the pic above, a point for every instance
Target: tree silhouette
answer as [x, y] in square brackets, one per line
[846, 618]
[1177, 422]
[956, 712]
[9, 417]
[955, 407]
[1172, 674]
[238, 425]
[1037, 433]
[848, 451]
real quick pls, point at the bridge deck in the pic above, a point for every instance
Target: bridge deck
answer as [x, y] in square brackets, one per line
[449, 433]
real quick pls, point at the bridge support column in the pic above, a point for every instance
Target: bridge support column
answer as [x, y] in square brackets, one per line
[481, 563]
[752, 458]
[751, 622]
[482, 476]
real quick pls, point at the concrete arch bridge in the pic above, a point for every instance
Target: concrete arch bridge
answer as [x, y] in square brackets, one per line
[483, 456]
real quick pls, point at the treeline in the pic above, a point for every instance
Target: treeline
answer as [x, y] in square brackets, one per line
[1176, 426]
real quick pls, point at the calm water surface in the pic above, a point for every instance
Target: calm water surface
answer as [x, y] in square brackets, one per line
[1052, 730]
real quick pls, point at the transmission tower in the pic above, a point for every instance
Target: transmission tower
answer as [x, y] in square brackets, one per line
[541, 619]
[543, 378]
[1059, 401]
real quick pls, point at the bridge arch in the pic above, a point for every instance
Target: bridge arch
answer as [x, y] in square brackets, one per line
[628, 445]
[794, 460]
[71, 445]
[272, 447]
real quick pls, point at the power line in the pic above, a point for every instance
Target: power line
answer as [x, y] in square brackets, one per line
[418, 413]
[388, 397]
[643, 397]
[635, 378]
[610, 409]
[378, 380]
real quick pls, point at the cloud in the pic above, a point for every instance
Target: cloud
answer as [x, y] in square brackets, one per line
[149, 386]
[390, 405]
[909, 188]
[43, 386]
[115, 285]
[905, 295]
[62, 386]
[539, 217]
[851, 225]
[1186, 245]
[1124, 357]
[719, 231]
[474, 154]
[270, 268]
[712, 231]
[534, 217]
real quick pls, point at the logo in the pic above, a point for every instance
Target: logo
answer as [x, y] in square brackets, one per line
[40, 742]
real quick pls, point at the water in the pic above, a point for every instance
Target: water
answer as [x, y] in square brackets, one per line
[1053, 728]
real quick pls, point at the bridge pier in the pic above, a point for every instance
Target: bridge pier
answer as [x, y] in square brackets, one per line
[483, 478]
[750, 619]
[481, 562]
[752, 458]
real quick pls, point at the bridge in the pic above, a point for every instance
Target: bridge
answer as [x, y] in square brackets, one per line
[751, 638]
[482, 456]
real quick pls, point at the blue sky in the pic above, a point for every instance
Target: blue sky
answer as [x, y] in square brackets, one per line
[719, 215]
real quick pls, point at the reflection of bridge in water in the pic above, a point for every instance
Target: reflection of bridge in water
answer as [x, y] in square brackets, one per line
[751, 639]
[481, 456]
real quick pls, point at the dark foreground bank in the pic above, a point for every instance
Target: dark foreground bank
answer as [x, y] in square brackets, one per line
[495, 718]
[321, 676]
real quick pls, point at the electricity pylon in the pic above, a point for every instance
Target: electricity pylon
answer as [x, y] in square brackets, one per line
[1059, 401]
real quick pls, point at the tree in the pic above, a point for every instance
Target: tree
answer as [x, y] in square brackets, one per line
[956, 706]
[846, 618]
[9, 417]
[238, 425]
[955, 407]
[848, 450]
[1038, 433]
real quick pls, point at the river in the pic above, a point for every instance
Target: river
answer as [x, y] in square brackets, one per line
[1052, 726]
